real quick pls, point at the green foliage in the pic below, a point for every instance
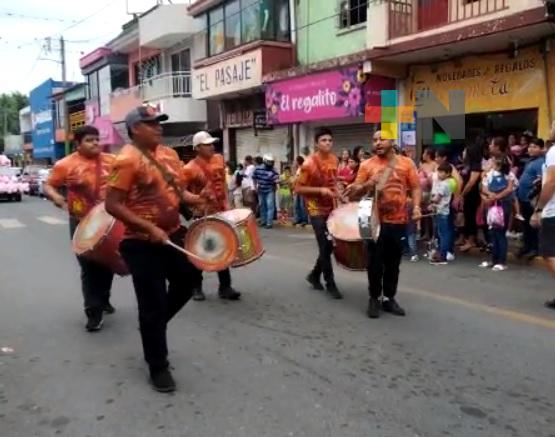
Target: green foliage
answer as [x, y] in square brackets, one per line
[10, 104]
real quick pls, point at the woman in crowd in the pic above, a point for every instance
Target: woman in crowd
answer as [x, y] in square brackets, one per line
[425, 171]
[301, 215]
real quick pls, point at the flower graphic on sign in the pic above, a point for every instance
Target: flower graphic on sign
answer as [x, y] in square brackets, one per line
[273, 102]
[349, 94]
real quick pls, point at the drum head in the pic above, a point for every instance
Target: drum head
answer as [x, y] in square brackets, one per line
[343, 223]
[236, 215]
[92, 229]
[214, 241]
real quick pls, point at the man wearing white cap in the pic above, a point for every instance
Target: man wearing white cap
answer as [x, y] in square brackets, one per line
[207, 172]
[266, 179]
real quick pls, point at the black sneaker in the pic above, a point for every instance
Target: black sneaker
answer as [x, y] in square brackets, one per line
[94, 320]
[109, 309]
[162, 381]
[391, 306]
[315, 282]
[550, 304]
[333, 291]
[198, 295]
[373, 309]
[229, 293]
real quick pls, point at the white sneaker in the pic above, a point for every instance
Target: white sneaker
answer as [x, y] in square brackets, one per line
[414, 259]
[499, 267]
[485, 265]
[450, 257]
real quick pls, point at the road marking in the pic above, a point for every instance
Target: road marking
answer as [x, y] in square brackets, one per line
[11, 224]
[514, 316]
[52, 220]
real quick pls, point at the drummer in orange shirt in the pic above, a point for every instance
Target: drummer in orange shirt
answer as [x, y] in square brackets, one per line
[317, 183]
[207, 172]
[145, 192]
[84, 173]
[394, 176]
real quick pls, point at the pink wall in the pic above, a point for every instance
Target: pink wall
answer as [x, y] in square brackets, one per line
[94, 56]
[136, 56]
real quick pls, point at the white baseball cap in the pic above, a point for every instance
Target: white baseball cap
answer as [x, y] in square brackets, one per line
[269, 157]
[203, 137]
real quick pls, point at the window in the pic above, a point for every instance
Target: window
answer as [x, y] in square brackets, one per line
[352, 12]
[92, 88]
[253, 20]
[232, 24]
[242, 21]
[181, 61]
[216, 40]
[147, 69]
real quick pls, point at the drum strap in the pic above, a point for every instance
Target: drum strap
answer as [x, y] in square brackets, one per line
[381, 184]
[170, 180]
[98, 175]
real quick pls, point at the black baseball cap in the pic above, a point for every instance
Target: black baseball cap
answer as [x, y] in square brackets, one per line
[144, 114]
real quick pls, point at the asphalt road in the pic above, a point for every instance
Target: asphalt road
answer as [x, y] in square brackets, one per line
[474, 356]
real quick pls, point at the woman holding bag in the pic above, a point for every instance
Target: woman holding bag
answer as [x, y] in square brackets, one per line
[497, 195]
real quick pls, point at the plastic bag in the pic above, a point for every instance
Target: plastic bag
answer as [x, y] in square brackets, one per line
[496, 216]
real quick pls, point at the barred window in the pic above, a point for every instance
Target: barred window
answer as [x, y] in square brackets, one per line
[352, 12]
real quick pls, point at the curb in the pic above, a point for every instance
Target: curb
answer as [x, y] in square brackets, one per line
[476, 253]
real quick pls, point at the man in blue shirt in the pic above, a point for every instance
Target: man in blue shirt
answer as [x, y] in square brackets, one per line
[531, 174]
[266, 179]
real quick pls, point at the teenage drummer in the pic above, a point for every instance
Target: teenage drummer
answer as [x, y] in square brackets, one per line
[317, 183]
[84, 174]
[207, 172]
[392, 177]
[145, 192]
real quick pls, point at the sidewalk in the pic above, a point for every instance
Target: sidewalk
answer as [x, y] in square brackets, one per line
[477, 253]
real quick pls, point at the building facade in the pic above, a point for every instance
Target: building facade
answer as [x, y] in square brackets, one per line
[242, 41]
[45, 147]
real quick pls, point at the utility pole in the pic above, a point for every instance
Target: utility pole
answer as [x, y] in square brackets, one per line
[64, 100]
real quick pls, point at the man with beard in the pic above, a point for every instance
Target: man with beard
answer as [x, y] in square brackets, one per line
[389, 177]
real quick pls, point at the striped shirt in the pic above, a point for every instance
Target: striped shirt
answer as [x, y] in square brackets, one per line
[266, 179]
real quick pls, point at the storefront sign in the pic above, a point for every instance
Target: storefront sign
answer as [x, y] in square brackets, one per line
[229, 76]
[239, 118]
[260, 121]
[334, 94]
[489, 83]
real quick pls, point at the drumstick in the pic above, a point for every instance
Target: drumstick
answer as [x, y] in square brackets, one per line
[185, 252]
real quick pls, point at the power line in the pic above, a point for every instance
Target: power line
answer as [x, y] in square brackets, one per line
[34, 17]
[78, 22]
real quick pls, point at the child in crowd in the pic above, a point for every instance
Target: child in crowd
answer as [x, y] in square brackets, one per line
[442, 194]
[237, 194]
[497, 193]
[285, 195]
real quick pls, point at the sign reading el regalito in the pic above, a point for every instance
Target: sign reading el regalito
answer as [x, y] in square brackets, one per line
[232, 75]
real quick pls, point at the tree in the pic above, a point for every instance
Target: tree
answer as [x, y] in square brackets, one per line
[10, 104]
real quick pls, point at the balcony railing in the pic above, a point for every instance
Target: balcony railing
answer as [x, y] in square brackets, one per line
[410, 16]
[166, 85]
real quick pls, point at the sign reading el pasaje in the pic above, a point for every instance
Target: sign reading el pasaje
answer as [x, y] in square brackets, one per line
[232, 75]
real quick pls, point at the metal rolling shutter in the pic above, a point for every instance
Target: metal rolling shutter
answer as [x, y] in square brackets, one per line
[350, 136]
[272, 141]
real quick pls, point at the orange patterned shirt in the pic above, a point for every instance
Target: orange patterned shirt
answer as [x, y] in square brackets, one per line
[199, 173]
[148, 194]
[392, 203]
[85, 179]
[317, 171]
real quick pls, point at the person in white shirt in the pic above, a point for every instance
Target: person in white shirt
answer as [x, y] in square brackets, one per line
[544, 215]
[247, 185]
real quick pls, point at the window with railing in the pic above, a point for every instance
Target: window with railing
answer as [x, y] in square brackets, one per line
[352, 12]
[237, 22]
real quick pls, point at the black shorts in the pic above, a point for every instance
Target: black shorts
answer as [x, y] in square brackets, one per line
[547, 238]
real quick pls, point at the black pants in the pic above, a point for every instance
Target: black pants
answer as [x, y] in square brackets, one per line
[470, 208]
[152, 267]
[325, 249]
[384, 259]
[224, 277]
[96, 279]
[531, 239]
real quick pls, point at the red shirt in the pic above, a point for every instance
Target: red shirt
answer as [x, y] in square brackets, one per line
[85, 179]
[148, 195]
[317, 171]
[200, 173]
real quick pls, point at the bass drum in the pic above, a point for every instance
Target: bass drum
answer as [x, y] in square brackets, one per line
[250, 243]
[97, 238]
[349, 225]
